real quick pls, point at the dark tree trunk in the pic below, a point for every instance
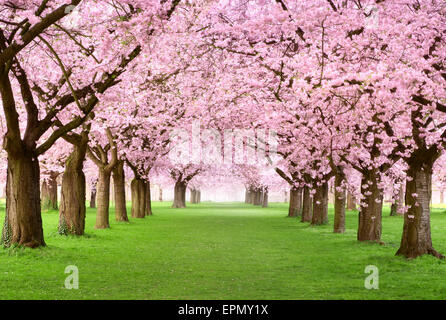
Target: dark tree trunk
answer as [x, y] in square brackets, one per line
[93, 195]
[49, 192]
[416, 239]
[148, 199]
[320, 205]
[119, 189]
[138, 189]
[339, 204]
[23, 220]
[295, 207]
[160, 198]
[307, 206]
[179, 198]
[393, 209]
[72, 202]
[351, 201]
[370, 211]
[265, 198]
[103, 199]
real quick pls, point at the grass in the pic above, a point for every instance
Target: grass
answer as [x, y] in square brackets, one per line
[221, 251]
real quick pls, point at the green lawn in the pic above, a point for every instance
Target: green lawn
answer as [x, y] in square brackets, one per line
[221, 251]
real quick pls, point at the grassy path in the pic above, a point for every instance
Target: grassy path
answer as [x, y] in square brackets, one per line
[221, 251]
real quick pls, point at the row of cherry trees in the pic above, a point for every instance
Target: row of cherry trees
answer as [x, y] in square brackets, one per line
[354, 90]
[347, 85]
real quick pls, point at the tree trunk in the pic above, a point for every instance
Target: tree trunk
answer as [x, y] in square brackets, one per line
[93, 195]
[441, 196]
[251, 195]
[416, 239]
[398, 203]
[179, 198]
[339, 204]
[393, 209]
[351, 201]
[198, 196]
[307, 206]
[295, 207]
[148, 199]
[49, 192]
[23, 220]
[160, 198]
[72, 202]
[265, 198]
[258, 197]
[103, 199]
[370, 211]
[138, 189]
[193, 196]
[119, 189]
[320, 205]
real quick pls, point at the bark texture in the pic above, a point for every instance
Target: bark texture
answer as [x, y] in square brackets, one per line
[370, 212]
[193, 196]
[119, 189]
[320, 205]
[99, 155]
[351, 201]
[72, 202]
[258, 197]
[179, 197]
[23, 221]
[295, 207]
[139, 203]
[148, 199]
[103, 199]
[339, 204]
[416, 239]
[307, 206]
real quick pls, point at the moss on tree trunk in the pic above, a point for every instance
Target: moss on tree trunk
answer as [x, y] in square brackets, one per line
[23, 220]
